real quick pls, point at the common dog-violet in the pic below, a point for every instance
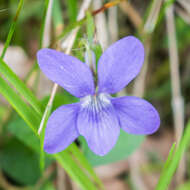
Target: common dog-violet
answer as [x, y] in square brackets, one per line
[97, 116]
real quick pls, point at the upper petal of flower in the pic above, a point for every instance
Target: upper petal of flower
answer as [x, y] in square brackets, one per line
[136, 116]
[61, 128]
[120, 64]
[67, 71]
[98, 123]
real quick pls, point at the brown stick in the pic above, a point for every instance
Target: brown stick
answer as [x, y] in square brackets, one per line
[177, 99]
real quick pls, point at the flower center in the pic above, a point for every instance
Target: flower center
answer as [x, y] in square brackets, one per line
[96, 102]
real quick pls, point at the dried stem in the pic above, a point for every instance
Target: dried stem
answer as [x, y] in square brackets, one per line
[134, 165]
[140, 81]
[113, 24]
[106, 6]
[101, 25]
[61, 178]
[148, 29]
[185, 4]
[177, 99]
[153, 16]
[183, 14]
[133, 15]
[46, 175]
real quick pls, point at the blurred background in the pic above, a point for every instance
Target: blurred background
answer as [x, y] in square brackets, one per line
[136, 162]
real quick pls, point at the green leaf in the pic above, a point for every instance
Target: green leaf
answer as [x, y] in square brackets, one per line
[74, 170]
[170, 156]
[125, 146]
[19, 162]
[27, 113]
[20, 86]
[19, 129]
[84, 163]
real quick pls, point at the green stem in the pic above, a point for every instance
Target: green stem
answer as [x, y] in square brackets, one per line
[43, 23]
[166, 178]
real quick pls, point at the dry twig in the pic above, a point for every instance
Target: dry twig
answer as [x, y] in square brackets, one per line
[133, 15]
[113, 24]
[101, 25]
[177, 99]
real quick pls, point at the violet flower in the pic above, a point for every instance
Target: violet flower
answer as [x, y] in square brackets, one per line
[98, 116]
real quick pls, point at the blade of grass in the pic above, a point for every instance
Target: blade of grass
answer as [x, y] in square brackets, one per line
[170, 156]
[74, 171]
[42, 153]
[12, 29]
[20, 86]
[72, 10]
[172, 165]
[19, 105]
[57, 14]
[42, 135]
[43, 23]
[84, 163]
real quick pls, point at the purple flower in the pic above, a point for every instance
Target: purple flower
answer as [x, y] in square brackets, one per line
[98, 116]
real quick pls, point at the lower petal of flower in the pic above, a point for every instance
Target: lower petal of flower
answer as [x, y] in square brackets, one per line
[98, 123]
[61, 128]
[136, 116]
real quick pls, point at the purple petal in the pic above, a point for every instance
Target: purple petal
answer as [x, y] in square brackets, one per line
[137, 116]
[61, 128]
[67, 71]
[98, 123]
[120, 64]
